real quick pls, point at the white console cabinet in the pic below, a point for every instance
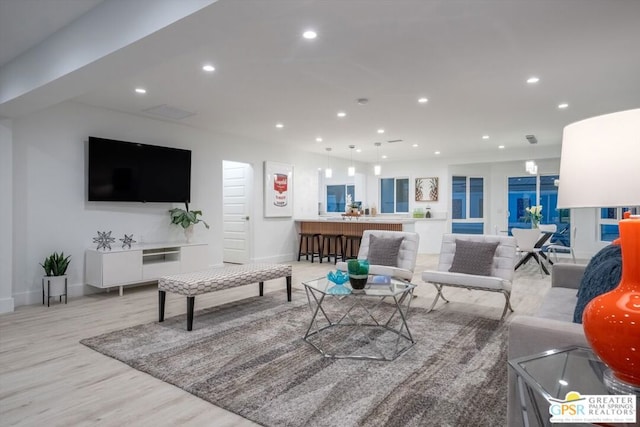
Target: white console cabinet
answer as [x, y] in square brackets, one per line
[142, 263]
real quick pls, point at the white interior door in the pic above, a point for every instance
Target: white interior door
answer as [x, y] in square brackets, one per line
[236, 207]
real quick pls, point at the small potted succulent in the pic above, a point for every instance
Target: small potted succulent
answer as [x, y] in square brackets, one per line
[54, 282]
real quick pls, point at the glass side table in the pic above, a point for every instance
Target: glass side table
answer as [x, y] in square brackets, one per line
[551, 375]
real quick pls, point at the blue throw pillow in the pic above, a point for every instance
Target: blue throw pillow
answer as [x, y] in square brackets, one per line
[602, 274]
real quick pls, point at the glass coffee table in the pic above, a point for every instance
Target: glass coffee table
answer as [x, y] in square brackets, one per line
[362, 324]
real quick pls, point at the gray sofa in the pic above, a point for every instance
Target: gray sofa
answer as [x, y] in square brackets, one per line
[551, 327]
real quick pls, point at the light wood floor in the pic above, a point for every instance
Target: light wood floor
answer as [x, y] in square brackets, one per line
[48, 378]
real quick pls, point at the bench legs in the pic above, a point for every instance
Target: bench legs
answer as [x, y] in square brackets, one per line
[191, 301]
[261, 286]
[162, 296]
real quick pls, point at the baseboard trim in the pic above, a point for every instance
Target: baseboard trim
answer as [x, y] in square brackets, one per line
[6, 305]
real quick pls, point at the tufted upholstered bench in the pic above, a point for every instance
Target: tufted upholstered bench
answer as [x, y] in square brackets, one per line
[202, 282]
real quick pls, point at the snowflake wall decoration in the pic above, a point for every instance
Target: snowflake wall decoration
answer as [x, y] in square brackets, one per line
[104, 240]
[127, 241]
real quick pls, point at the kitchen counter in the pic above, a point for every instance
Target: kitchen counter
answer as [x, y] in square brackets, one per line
[362, 218]
[352, 226]
[430, 230]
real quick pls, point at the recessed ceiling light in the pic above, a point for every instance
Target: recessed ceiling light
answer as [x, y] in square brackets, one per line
[485, 136]
[318, 139]
[380, 130]
[532, 80]
[415, 145]
[423, 100]
[563, 105]
[309, 34]
[208, 68]
[501, 147]
[384, 156]
[358, 150]
[141, 90]
[436, 153]
[279, 125]
[341, 114]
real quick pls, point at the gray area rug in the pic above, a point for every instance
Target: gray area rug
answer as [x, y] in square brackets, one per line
[248, 357]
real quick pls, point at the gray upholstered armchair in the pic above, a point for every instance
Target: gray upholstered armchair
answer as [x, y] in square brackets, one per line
[400, 266]
[468, 270]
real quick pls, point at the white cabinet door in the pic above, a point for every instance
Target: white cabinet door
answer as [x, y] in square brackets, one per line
[121, 267]
[194, 258]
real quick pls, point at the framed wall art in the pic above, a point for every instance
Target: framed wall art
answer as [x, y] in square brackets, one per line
[427, 189]
[278, 189]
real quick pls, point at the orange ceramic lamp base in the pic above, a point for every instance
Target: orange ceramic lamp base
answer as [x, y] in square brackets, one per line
[612, 320]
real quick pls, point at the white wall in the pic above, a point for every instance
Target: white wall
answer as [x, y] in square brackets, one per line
[412, 170]
[51, 212]
[6, 217]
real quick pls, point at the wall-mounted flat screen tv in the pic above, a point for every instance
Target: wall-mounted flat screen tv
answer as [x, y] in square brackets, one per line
[122, 171]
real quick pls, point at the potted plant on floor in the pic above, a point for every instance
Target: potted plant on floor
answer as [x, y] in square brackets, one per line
[186, 219]
[54, 283]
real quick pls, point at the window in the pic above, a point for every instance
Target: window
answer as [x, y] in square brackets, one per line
[459, 197]
[337, 196]
[608, 222]
[527, 191]
[522, 194]
[467, 205]
[394, 195]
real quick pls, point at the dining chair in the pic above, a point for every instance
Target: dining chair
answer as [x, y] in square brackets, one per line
[547, 228]
[556, 248]
[526, 239]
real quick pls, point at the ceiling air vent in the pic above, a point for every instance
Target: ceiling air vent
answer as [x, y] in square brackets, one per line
[532, 139]
[394, 140]
[168, 112]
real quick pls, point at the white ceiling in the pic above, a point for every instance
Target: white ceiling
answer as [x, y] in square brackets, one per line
[470, 58]
[26, 23]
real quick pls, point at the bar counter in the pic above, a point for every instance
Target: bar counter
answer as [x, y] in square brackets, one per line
[352, 227]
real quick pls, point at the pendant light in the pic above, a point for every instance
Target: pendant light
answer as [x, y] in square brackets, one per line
[328, 173]
[530, 165]
[377, 169]
[352, 169]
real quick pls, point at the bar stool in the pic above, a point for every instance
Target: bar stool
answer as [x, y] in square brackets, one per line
[311, 242]
[337, 240]
[351, 247]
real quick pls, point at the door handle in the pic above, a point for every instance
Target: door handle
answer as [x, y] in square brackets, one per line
[246, 218]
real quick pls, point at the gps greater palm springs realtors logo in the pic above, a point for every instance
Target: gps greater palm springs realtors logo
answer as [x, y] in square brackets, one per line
[593, 408]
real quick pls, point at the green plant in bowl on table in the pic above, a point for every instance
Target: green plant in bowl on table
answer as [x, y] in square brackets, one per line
[358, 272]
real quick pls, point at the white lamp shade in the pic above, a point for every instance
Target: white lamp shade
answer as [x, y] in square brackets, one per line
[328, 173]
[377, 169]
[600, 162]
[351, 171]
